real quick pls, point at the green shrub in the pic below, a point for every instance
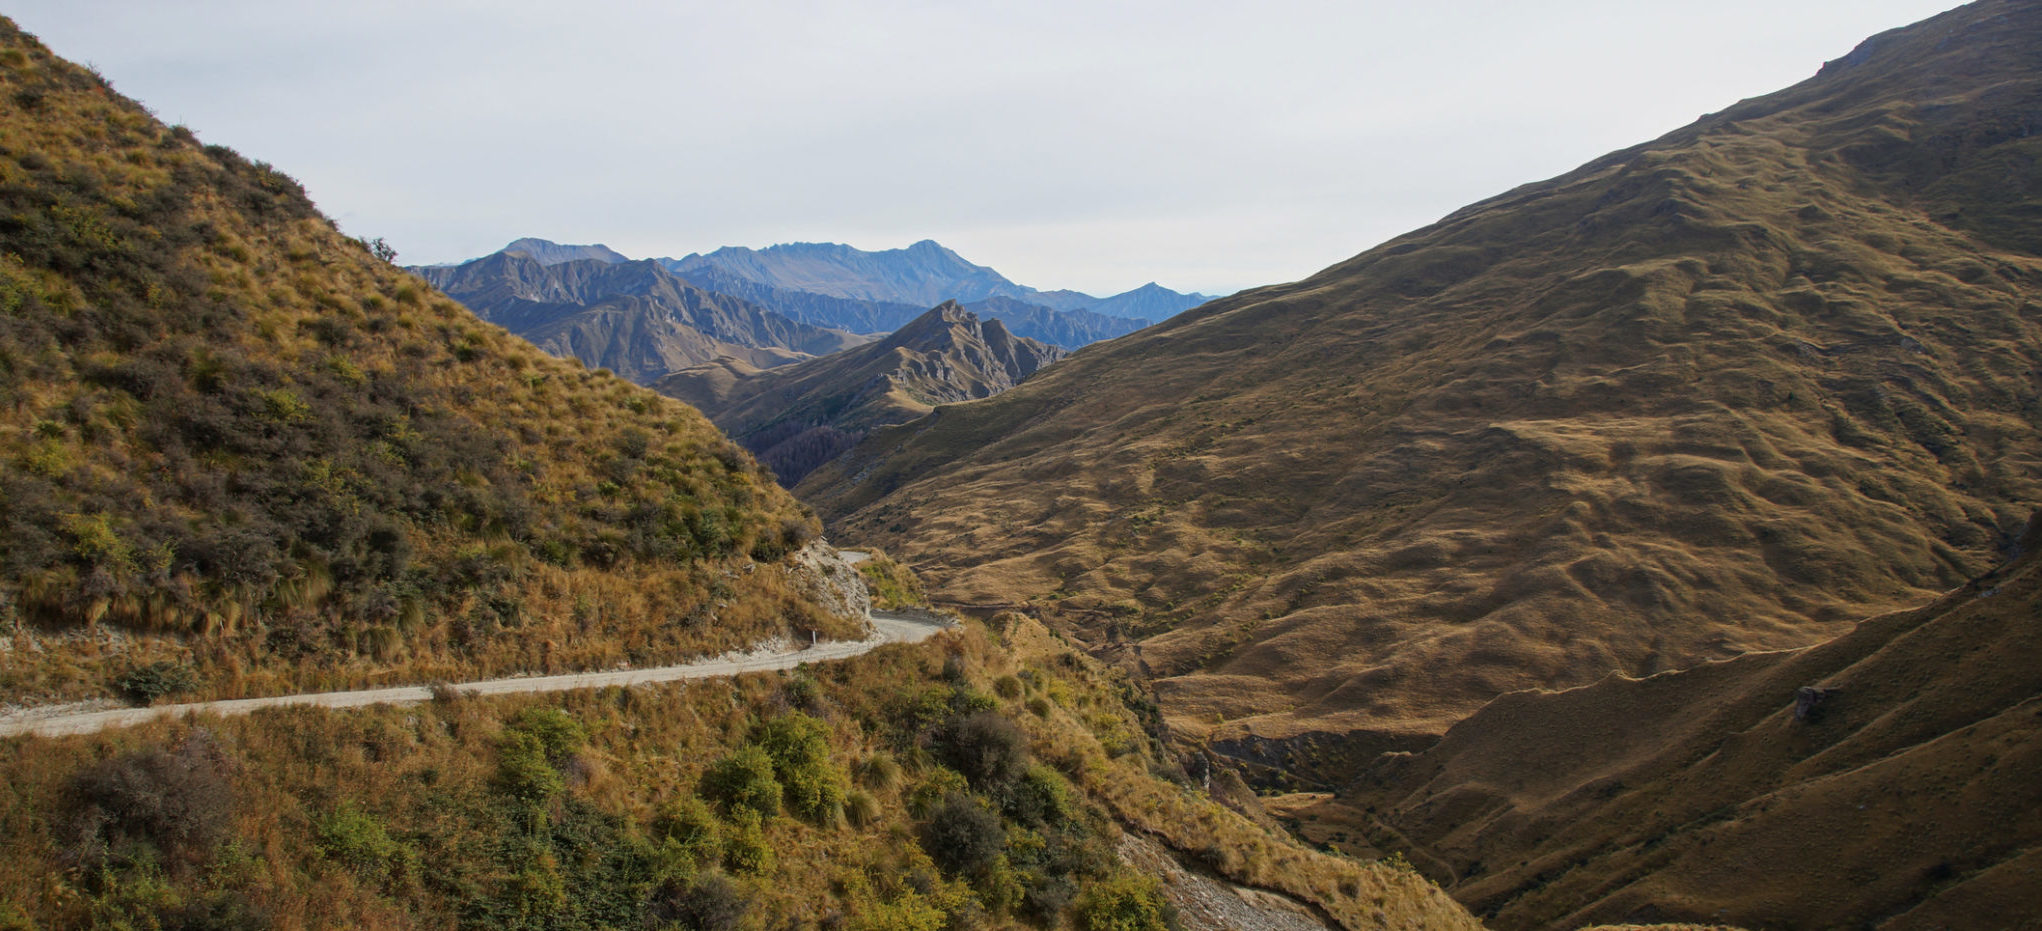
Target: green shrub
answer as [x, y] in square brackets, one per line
[939, 784]
[745, 849]
[744, 782]
[909, 912]
[357, 840]
[523, 770]
[1041, 797]
[812, 786]
[686, 828]
[558, 734]
[1126, 902]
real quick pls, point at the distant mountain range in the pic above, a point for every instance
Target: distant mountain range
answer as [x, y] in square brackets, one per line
[645, 319]
[797, 417]
[920, 275]
[634, 318]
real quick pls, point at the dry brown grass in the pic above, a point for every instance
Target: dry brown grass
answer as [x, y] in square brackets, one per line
[1717, 394]
[196, 362]
[1906, 799]
[428, 776]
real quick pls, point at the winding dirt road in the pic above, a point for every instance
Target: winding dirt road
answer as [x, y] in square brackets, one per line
[887, 627]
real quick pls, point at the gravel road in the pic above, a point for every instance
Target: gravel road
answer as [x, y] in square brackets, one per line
[888, 627]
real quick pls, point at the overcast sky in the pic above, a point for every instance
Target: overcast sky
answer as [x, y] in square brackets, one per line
[1091, 145]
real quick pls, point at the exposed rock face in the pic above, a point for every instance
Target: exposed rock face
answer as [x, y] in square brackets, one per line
[634, 318]
[797, 417]
[832, 581]
[1808, 703]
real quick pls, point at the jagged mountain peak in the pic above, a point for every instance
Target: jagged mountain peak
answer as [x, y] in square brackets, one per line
[797, 417]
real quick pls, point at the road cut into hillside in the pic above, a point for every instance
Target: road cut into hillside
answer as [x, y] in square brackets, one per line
[887, 627]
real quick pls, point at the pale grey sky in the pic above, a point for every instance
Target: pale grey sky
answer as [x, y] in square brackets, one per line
[1090, 145]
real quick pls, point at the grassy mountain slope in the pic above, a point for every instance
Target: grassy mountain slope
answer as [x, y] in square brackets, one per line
[796, 417]
[634, 318]
[231, 438]
[1905, 797]
[1719, 393]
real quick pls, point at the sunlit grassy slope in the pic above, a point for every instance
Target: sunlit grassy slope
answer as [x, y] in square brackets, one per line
[230, 438]
[976, 780]
[1719, 393]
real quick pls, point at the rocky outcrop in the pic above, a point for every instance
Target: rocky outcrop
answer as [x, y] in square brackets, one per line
[798, 417]
[831, 580]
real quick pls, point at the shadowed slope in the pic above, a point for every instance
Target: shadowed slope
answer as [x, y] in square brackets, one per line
[797, 417]
[1905, 791]
[1714, 394]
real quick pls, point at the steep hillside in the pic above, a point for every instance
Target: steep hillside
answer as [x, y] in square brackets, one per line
[634, 318]
[240, 454]
[971, 781]
[1720, 393]
[797, 417]
[1886, 777]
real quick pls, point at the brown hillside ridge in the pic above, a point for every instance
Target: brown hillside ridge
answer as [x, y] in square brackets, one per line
[1887, 777]
[797, 417]
[240, 455]
[1716, 394]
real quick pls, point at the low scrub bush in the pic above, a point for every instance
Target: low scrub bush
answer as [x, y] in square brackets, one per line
[1126, 902]
[711, 902]
[811, 785]
[163, 806]
[744, 782]
[145, 684]
[986, 747]
[963, 835]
